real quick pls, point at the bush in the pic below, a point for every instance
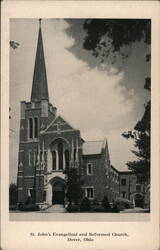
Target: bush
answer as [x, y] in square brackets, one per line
[20, 206]
[95, 202]
[31, 207]
[12, 194]
[28, 205]
[97, 208]
[29, 201]
[106, 204]
[115, 208]
[72, 208]
[85, 205]
[122, 203]
[12, 207]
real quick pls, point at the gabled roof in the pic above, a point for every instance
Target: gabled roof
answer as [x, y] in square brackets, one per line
[39, 85]
[93, 147]
[115, 169]
[58, 124]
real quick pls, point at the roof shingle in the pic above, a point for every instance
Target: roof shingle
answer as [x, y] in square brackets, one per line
[92, 147]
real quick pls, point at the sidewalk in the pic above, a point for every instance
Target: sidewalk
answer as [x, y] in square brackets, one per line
[84, 217]
[135, 210]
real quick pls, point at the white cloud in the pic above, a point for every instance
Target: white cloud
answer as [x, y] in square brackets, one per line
[93, 134]
[120, 148]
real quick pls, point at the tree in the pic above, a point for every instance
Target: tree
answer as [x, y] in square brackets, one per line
[12, 194]
[141, 136]
[108, 38]
[105, 204]
[74, 190]
[85, 205]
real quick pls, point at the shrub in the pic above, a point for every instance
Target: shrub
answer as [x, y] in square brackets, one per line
[74, 183]
[29, 201]
[31, 207]
[115, 208]
[105, 204]
[95, 202]
[12, 194]
[20, 206]
[122, 203]
[12, 207]
[28, 205]
[85, 205]
[72, 208]
[97, 208]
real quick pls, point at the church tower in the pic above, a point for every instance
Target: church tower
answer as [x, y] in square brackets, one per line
[48, 145]
[35, 116]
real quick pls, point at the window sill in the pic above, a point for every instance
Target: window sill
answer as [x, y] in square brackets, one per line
[33, 140]
[90, 198]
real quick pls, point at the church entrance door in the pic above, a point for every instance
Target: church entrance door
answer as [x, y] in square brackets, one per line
[58, 192]
[138, 200]
[58, 197]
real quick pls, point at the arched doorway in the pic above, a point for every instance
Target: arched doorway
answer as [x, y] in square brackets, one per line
[58, 191]
[138, 200]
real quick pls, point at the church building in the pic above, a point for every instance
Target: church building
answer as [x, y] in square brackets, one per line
[49, 144]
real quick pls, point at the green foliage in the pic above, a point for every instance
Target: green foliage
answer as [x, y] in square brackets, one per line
[105, 204]
[12, 194]
[29, 201]
[29, 207]
[95, 201]
[121, 204]
[72, 208]
[108, 36]
[85, 205]
[141, 136]
[74, 191]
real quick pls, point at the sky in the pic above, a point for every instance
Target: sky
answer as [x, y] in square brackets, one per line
[98, 99]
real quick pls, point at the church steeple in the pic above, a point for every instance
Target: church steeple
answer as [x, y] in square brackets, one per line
[39, 85]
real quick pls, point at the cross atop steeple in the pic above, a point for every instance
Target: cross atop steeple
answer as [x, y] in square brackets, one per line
[39, 85]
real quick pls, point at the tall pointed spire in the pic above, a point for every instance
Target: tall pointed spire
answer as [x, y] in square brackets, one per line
[39, 85]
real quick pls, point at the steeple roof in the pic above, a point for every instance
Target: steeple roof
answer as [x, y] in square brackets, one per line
[39, 85]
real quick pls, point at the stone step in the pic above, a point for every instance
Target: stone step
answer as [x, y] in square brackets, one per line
[56, 208]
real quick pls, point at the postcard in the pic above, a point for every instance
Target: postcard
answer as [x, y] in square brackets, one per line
[80, 125]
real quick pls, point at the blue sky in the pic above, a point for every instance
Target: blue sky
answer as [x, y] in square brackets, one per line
[95, 98]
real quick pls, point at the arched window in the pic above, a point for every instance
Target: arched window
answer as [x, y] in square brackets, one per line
[44, 195]
[35, 127]
[60, 155]
[74, 154]
[53, 160]
[41, 153]
[67, 158]
[30, 128]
